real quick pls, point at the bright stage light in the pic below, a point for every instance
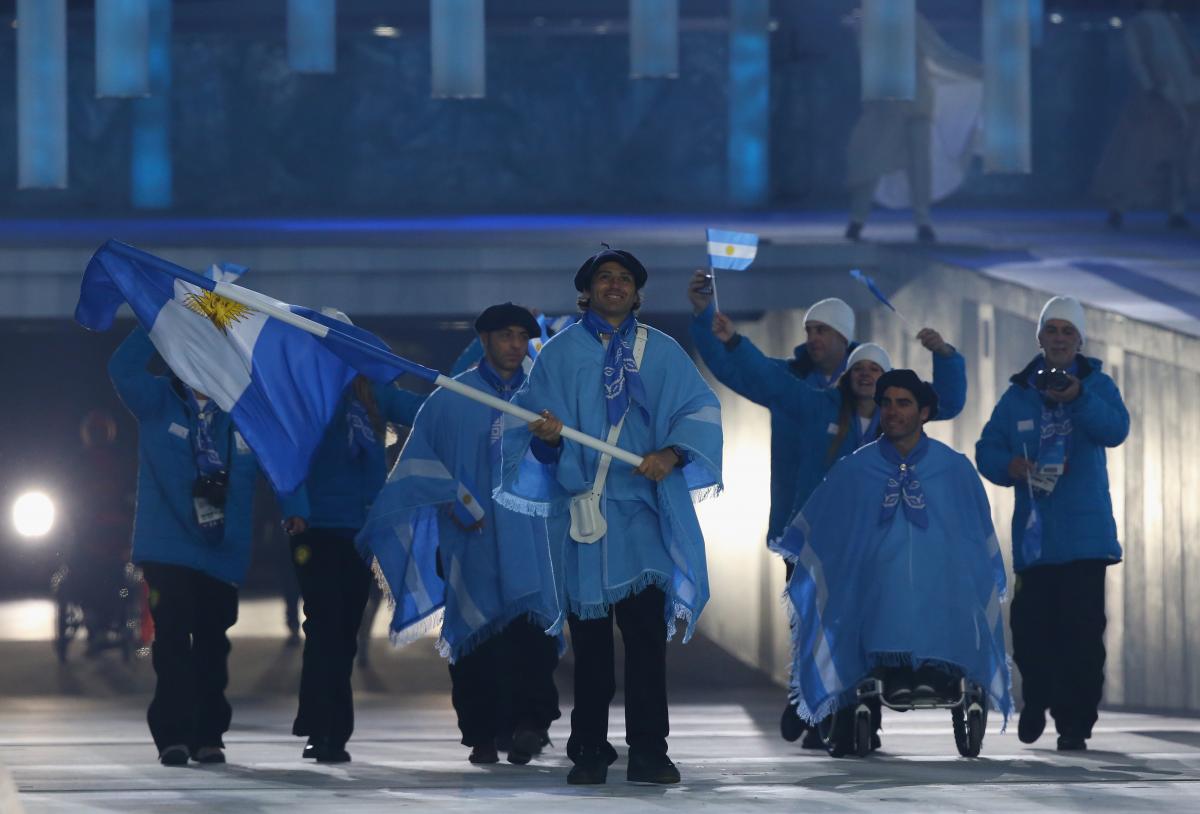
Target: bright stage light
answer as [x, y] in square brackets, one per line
[33, 514]
[386, 31]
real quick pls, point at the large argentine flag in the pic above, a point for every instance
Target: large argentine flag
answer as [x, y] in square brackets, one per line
[731, 250]
[279, 383]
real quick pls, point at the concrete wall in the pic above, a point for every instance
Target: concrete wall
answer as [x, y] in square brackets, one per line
[1154, 655]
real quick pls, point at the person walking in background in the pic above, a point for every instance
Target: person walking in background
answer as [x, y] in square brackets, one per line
[323, 516]
[1046, 439]
[1153, 156]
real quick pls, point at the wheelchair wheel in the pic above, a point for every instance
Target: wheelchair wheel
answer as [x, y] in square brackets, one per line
[837, 732]
[862, 730]
[969, 727]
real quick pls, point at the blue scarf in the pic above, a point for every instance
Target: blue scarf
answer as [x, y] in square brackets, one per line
[1054, 439]
[904, 487]
[208, 460]
[361, 433]
[622, 382]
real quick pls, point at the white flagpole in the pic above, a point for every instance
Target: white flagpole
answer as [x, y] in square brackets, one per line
[276, 309]
[712, 275]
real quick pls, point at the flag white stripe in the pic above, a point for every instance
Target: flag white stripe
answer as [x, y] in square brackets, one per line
[739, 250]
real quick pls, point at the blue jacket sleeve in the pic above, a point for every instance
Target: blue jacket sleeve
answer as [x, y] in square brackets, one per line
[295, 504]
[396, 405]
[950, 384]
[993, 450]
[724, 364]
[1100, 412]
[777, 388]
[141, 391]
[468, 358]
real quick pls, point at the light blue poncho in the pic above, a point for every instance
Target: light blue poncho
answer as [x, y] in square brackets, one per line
[493, 575]
[868, 592]
[653, 535]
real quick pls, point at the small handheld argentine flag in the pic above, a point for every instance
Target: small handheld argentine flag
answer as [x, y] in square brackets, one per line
[734, 251]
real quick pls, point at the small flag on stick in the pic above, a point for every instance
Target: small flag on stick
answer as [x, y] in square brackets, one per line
[732, 251]
[879, 295]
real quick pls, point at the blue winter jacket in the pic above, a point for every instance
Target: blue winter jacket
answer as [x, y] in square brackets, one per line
[817, 411]
[788, 452]
[341, 487]
[1077, 517]
[165, 527]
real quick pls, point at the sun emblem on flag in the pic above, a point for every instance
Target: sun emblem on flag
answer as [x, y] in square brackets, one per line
[729, 251]
[221, 312]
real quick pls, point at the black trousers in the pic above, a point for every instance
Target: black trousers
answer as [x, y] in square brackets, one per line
[192, 612]
[644, 631]
[506, 683]
[1058, 641]
[334, 581]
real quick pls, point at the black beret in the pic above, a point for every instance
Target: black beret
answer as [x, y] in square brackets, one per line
[923, 392]
[583, 277]
[507, 315]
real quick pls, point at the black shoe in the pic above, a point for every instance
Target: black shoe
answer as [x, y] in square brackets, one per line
[656, 769]
[812, 739]
[1178, 222]
[1070, 743]
[174, 755]
[790, 725]
[329, 751]
[1115, 220]
[310, 750]
[518, 758]
[854, 230]
[591, 766]
[876, 743]
[1031, 725]
[209, 754]
[483, 754]
[925, 234]
[530, 741]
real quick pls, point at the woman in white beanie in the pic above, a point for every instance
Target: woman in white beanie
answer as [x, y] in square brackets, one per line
[1047, 438]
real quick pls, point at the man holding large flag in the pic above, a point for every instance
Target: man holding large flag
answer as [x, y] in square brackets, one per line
[191, 538]
[442, 543]
[634, 550]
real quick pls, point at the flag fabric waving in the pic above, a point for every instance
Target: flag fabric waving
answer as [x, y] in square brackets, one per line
[734, 251]
[280, 384]
[874, 289]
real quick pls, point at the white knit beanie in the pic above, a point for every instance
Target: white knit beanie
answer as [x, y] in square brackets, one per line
[1067, 309]
[834, 313]
[869, 351]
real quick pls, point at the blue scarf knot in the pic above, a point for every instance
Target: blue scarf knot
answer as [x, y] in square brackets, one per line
[904, 488]
[622, 381]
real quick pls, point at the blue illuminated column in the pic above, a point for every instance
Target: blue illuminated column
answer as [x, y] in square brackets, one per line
[41, 94]
[122, 48]
[653, 38]
[1037, 22]
[312, 35]
[1007, 131]
[150, 165]
[457, 34]
[749, 102]
[888, 49]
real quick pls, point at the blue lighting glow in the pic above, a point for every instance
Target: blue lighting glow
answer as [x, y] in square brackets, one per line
[749, 103]
[150, 162]
[458, 49]
[312, 35]
[41, 94]
[1007, 130]
[653, 38]
[122, 48]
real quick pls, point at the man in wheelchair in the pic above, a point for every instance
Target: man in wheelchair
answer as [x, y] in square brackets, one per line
[898, 583]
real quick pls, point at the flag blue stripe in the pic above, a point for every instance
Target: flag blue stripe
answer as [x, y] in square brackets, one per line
[739, 238]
